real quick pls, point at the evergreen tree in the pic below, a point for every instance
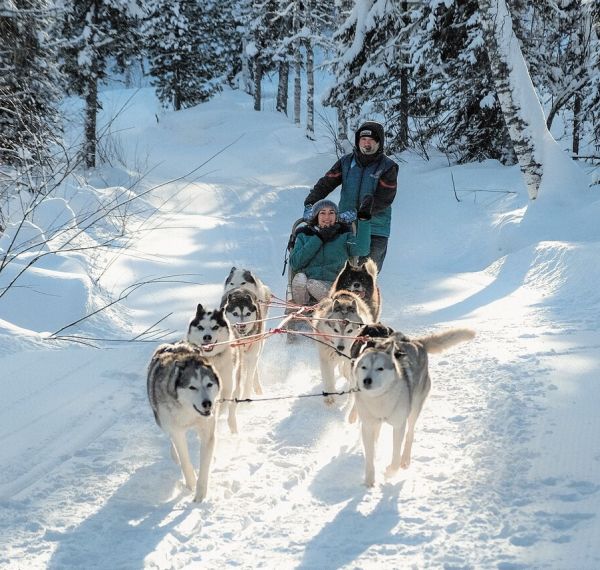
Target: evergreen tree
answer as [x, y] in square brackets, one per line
[262, 33]
[186, 50]
[30, 83]
[94, 31]
[451, 73]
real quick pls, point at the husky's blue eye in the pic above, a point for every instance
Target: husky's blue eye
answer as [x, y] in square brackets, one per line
[209, 385]
[235, 314]
[215, 328]
[200, 328]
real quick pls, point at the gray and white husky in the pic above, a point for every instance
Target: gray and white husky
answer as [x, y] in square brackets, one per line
[212, 333]
[243, 311]
[183, 390]
[339, 319]
[246, 279]
[392, 377]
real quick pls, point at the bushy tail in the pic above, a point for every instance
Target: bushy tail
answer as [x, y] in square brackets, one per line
[441, 341]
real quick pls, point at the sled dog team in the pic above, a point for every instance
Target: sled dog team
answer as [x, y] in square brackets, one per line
[217, 364]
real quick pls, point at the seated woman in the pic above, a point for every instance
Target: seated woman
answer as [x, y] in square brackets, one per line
[319, 253]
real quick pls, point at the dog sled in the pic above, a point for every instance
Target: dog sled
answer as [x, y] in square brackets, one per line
[298, 316]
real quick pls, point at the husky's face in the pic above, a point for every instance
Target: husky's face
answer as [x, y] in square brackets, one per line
[197, 387]
[241, 278]
[359, 280]
[242, 312]
[340, 332]
[208, 328]
[375, 370]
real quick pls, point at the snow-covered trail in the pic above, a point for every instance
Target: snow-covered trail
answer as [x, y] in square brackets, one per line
[288, 489]
[496, 479]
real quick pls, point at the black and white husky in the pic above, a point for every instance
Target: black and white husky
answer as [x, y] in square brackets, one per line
[337, 320]
[362, 280]
[212, 333]
[183, 390]
[243, 311]
[392, 377]
[246, 279]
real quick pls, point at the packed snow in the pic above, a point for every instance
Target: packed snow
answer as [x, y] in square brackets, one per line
[506, 460]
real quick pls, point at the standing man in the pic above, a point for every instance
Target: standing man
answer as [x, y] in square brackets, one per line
[369, 181]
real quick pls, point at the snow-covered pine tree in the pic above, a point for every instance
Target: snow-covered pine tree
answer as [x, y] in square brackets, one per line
[30, 83]
[93, 32]
[454, 97]
[261, 42]
[352, 45]
[186, 50]
[316, 22]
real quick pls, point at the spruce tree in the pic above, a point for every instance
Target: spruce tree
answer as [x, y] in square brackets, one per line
[456, 96]
[30, 84]
[93, 33]
[185, 49]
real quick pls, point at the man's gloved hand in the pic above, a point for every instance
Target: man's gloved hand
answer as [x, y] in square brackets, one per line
[307, 215]
[327, 233]
[347, 217]
[365, 208]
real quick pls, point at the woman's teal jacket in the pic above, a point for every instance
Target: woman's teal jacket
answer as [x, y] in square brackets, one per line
[320, 259]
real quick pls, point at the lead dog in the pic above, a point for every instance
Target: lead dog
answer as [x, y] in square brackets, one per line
[212, 333]
[183, 390]
[392, 377]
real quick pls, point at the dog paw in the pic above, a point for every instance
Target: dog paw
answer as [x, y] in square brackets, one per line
[199, 497]
[369, 481]
[391, 470]
[329, 400]
[405, 462]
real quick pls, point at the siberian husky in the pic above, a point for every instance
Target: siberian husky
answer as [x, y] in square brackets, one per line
[246, 279]
[338, 318]
[362, 280]
[212, 333]
[392, 379]
[183, 390]
[243, 312]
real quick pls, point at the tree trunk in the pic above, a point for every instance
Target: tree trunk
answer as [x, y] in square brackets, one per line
[520, 106]
[403, 126]
[91, 111]
[258, 73]
[282, 87]
[576, 123]
[176, 93]
[297, 85]
[310, 92]
[245, 81]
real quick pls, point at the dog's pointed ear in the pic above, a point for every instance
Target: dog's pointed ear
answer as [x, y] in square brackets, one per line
[199, 310]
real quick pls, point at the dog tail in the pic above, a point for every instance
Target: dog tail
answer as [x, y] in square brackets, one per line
[441, 341]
